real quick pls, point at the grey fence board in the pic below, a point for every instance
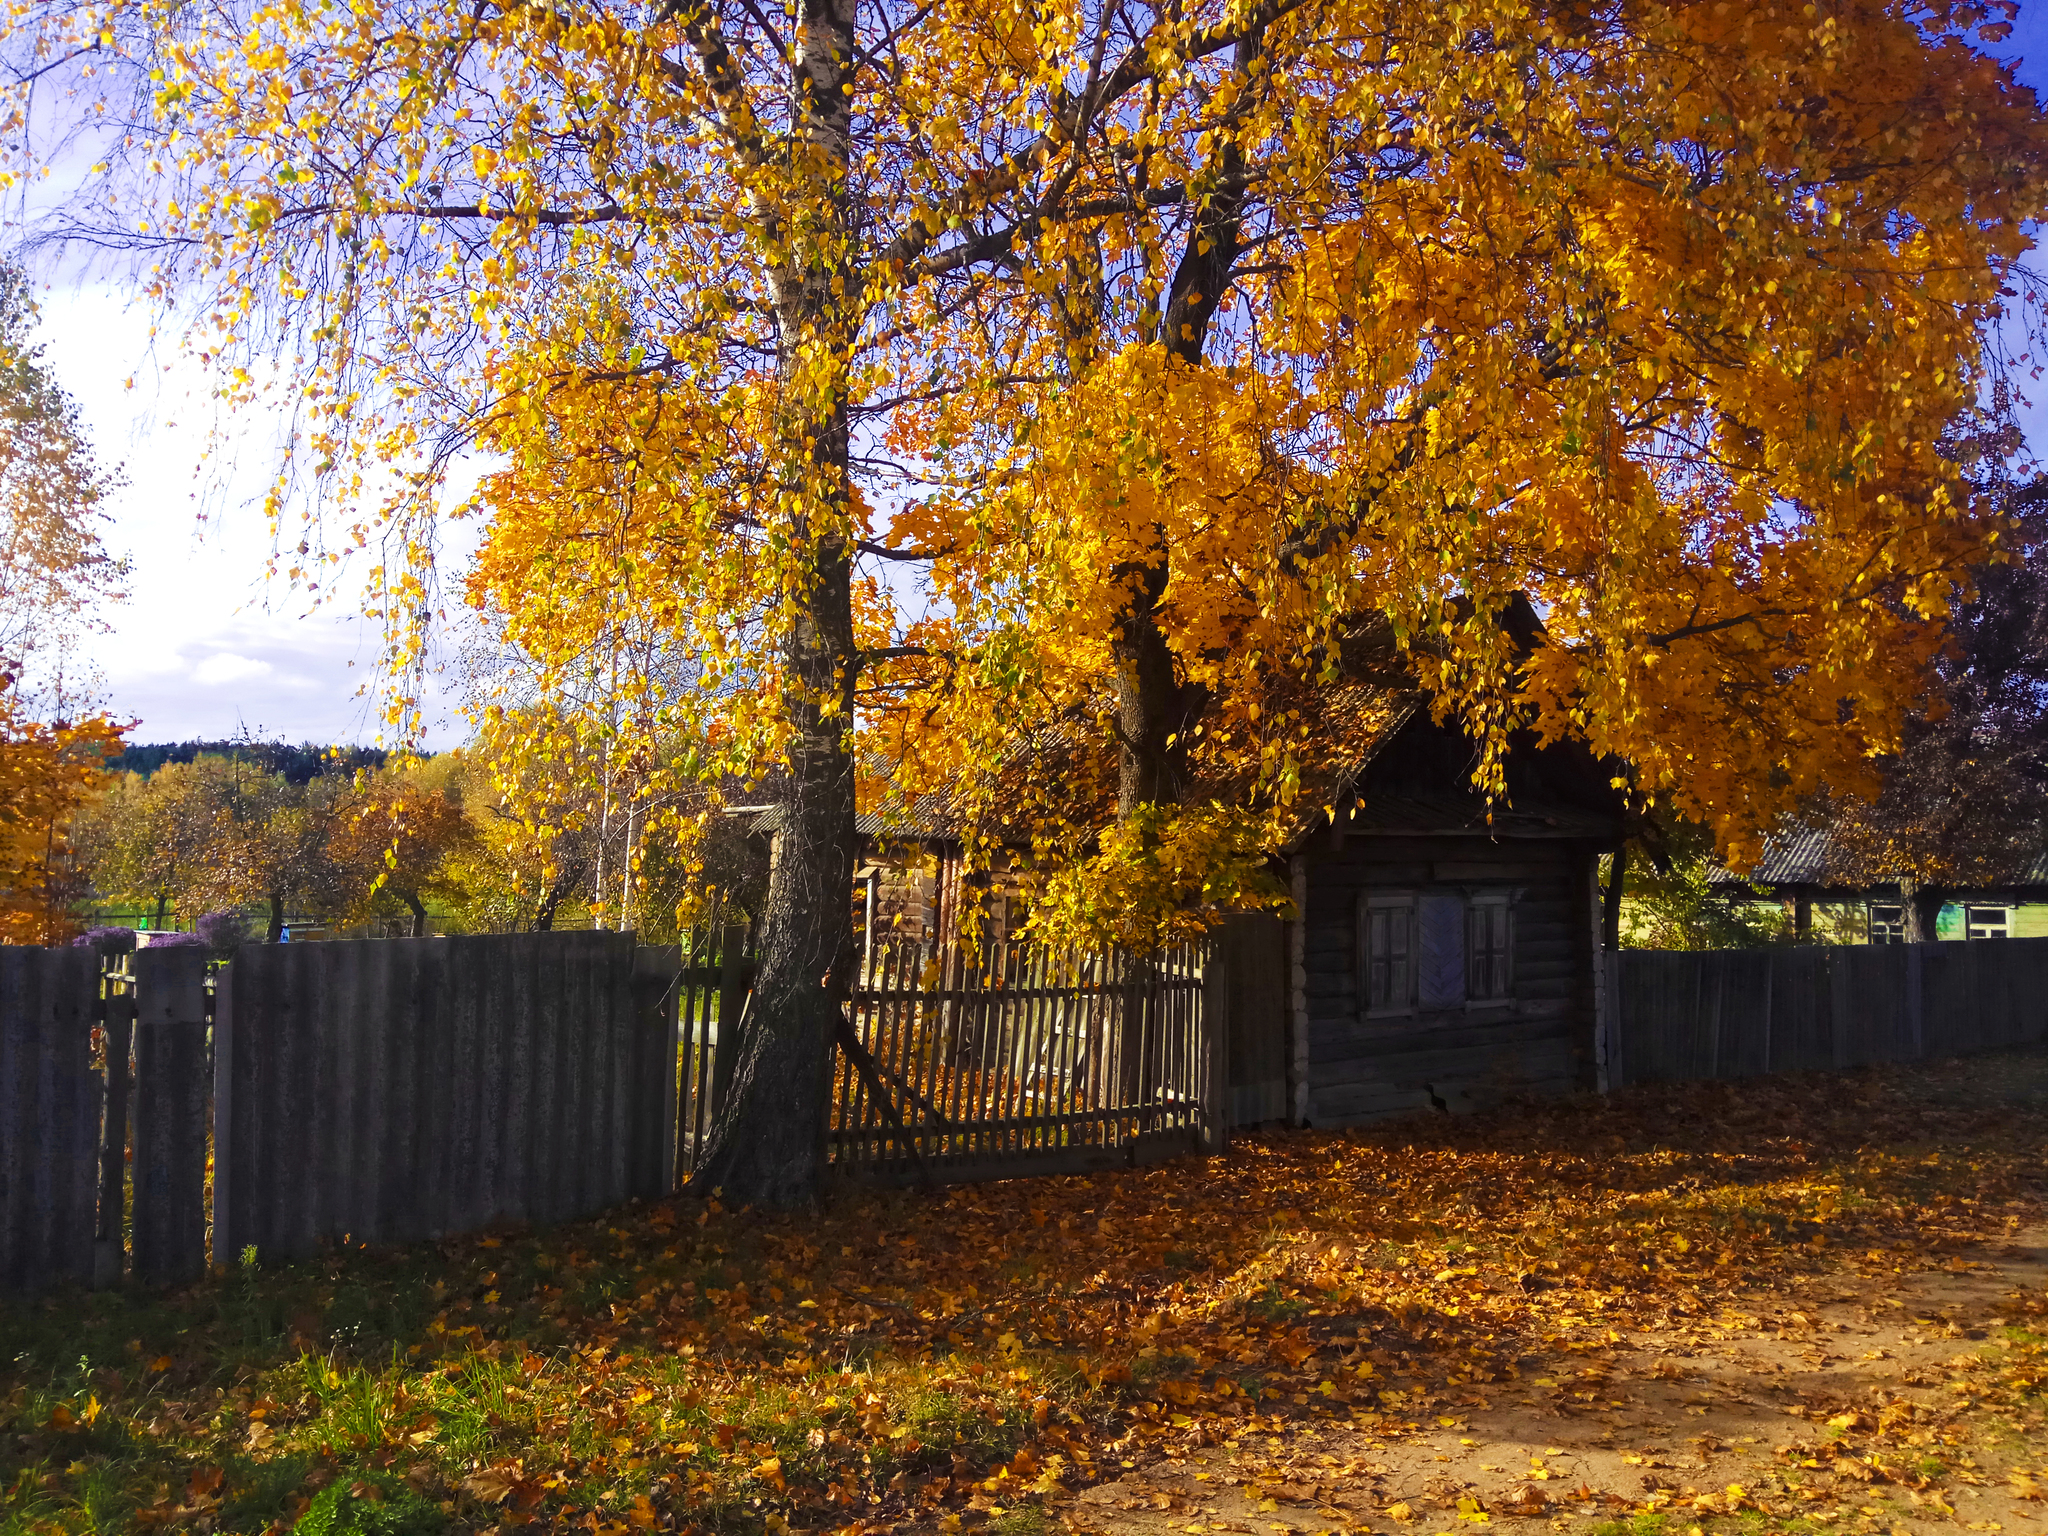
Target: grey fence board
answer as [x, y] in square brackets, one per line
[398, 1089]
[1680, 1015]
[50, 1103]
[173, 1078]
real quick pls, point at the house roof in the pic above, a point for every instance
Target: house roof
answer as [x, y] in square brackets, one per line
[1453, 813]
[1803, 854]
[1333, 731]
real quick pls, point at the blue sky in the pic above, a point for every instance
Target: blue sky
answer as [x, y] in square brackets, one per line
[204, 647]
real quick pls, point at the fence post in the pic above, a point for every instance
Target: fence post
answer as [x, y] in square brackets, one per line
[1916, 1000]
[657, 978]
[170, 1115]
[223, 1106]
[1216, 1024]
[1614, 1062]
[117, 1018]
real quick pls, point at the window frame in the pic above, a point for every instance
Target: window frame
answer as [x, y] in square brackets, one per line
[1971, 924]
[1371, 903]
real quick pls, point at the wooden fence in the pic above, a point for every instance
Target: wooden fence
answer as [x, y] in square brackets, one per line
[1676, 1015]
[387, 1090]
[154, 1120]
[959, 1067]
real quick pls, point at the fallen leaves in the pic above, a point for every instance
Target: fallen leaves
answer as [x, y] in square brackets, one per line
[916, 1358]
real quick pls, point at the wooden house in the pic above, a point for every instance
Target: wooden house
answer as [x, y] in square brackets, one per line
[1444, 955]
[1823, 889]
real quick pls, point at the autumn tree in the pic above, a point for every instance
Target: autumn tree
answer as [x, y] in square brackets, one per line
[1964, 800]
[390, 836]
[48, 771]
[53, 571]
[215, 833]
[153, 839]
[54, 567]
[1161, 341]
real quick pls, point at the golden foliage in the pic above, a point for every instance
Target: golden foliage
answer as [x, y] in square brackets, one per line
[1655, 313]
[47, 772]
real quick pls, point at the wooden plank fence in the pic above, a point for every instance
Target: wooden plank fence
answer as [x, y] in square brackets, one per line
[51, 1095]
[1678, 1015]
[389, 1090]
[155, 1119]
[959, 1067]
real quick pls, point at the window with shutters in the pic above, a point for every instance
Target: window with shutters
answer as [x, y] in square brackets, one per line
[1386, 953]
[1490, 949]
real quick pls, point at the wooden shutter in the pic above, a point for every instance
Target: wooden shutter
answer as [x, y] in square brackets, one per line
[1492, 950]
[1385, 955]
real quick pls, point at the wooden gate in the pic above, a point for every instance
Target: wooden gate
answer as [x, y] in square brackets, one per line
[955, 1068]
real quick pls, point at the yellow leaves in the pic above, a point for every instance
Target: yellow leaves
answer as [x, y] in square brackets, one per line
[1632, 384]
[1158, 878]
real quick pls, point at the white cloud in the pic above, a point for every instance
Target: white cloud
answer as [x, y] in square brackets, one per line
[226, 667]
[204, 647]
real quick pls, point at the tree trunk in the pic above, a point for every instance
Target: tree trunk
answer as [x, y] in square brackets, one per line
[419, 914]
[162, 901]
[276, 930]
[767, 1145]
[1610, 900]
[1919, 910]
[1156, 711]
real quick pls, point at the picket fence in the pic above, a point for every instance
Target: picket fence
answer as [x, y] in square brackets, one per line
[961, 1066]
[155, 1120]
[1724, 1013]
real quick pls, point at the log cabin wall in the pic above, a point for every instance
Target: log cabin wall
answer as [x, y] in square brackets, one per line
[1365, 1064]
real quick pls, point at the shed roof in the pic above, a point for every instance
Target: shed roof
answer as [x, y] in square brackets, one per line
[1802, 853]
[1333, 730]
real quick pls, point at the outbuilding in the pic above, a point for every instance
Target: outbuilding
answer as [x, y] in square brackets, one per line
[1444, 953]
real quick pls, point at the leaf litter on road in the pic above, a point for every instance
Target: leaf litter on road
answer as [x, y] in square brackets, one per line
[1782, 1305]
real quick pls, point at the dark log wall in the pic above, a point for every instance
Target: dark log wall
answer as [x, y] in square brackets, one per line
[1253, 950]
[1463, 1059]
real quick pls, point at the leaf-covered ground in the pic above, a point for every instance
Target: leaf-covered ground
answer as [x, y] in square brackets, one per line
[1799, 1305]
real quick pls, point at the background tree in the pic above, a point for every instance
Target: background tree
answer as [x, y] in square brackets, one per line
[215, 833]
[153, 840]
[277, 849]
[53, 571]
[1164, 339]
[54, 568]
[390, 836]
[1965, 799]
[47, 773]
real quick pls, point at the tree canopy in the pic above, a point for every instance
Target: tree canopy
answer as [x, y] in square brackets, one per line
[953, 370]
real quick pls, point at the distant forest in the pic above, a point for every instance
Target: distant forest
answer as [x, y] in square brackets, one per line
[299, 764]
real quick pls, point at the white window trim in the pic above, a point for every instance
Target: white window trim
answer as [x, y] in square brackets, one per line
[1384, 901]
